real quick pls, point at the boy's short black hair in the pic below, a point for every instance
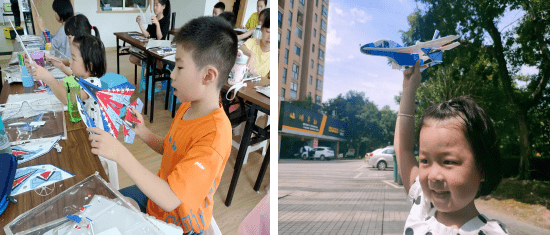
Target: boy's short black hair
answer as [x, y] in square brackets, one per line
[230, 17]
[265, 2]
[93, 54]
[212, 41]
[220, 5]
[479, 131]
[63, 8]
[265, 14]
[79, 25]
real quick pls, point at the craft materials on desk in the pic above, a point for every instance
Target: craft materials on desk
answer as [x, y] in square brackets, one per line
[33, 177]
[30, 150]
[264, 90]
[153, 43]
[171, 58]
[91, 202]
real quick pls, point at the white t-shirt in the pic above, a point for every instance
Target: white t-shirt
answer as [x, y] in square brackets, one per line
[421, 220]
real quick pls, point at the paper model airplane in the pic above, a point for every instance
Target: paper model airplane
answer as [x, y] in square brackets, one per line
[34, 177]
[429, 53]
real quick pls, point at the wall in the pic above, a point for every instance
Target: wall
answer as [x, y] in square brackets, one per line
[185, 10]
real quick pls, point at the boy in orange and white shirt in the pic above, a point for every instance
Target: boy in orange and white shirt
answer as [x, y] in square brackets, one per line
[197, 147]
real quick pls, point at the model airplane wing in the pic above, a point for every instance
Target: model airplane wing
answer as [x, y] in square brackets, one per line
[34, 149]
[129, 134]
[33, 177]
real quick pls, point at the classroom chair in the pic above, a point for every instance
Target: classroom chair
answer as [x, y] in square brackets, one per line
[214, 226]
[255, 144]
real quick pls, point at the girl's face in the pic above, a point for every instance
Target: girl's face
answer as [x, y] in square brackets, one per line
[159, 8]
[260, 6]
[265, 36]
[77, 63]
[447, 168]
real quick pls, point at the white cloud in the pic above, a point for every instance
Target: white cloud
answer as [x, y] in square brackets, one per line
[372, 75]
[360, 15]
[338, 59]
[333, 39]
[338, 10]
[368, 84]
[351, 57]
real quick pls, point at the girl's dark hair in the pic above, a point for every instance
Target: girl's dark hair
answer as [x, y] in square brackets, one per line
[166, 12]
[79, 25]
[265, 14]
[230, 17]
[480, 133]
[63, 8]
[265, 1]
[93, 54]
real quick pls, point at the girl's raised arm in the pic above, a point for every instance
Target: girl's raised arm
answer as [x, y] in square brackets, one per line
[404, 128]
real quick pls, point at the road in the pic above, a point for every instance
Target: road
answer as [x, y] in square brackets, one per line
[346, 197]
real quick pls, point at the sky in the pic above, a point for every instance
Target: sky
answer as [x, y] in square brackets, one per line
[354, 23]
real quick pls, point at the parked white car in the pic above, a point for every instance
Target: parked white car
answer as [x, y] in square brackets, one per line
[381, 158]
[321, 153]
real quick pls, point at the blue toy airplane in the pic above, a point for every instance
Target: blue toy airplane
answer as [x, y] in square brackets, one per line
[429, 53]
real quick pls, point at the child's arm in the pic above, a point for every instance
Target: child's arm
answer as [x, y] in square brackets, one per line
[245, 34]
[251, 57]
[155, 21]
[154, 141]
[41, 73]
[155, 188]
[404, 128]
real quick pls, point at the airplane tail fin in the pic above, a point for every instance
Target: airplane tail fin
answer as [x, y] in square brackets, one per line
[436, 34]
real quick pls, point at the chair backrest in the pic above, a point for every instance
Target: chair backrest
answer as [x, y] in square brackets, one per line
[172, 24]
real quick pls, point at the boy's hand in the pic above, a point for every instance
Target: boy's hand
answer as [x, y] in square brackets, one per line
[105, 145]
[138, 19]
[140, 128]
[412, 77]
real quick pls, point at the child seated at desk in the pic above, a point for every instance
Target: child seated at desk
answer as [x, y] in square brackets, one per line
[198, 144]
[253, 20]
[261, 19]
[257, 50]
[218, 9]
[63, 11]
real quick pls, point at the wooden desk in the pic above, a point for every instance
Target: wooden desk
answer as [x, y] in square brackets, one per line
[76, 157]
[125, 37]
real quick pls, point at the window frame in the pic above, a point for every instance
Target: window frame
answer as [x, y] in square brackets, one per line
[295, 71]
[285, 72]
[286, 56]
[122, 9]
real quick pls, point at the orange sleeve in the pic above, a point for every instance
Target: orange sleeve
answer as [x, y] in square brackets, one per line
[193, 176]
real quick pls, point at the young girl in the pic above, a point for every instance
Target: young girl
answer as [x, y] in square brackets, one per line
[63, 10]
[257, 50]
[87, 62]
[160, 25]
[261, 19]
[459, 160]
[74, 26]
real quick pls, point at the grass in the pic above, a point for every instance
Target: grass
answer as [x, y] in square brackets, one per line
[534, 192]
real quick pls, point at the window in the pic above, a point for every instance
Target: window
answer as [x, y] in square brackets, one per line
[280, 19]
[320, 69]
[323, 25]
[321, 54]
[295, 71]
[316, 2]
[284, 75]
[312, 47]
[291, 4]
[297, 50]
[293, 90]
[302, 3]
[317, 99]
[319, 85]
[300, 18]
[322, 39]
[325, 1]
[312, 63]
[289, 18]
[309, 94]
[287, 37]
[324, 11]
[282, 94]
[124, 5]
[314, 32]
[279, 45]
[310, 79]
[286, 56]
[299, 32]
[315, 17]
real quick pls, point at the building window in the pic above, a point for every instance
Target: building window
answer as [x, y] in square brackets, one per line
[317, 99]
[323, 25]
[284, 75]
[299, 33]
[279, 45]
[286, 56]
[310, 79]
[312, 63]
[282, 94]
[325, 1]
[309, 94]
[320, 69]
[322, 39]
[295, 71]
[297, 50]
[289, 18]
[315, 17]
[287, 37]
[293, 90]
[312, 47]
[300, 18]
[319, 85]
[314, 32]
[302, 3]
[126, 5]
[280, 19]
[316, 2]
[324, 11]
[321, 54]
[291, 4]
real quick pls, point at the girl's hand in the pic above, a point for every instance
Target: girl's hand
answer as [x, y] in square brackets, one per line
[54, 60]
[105, 145]
[154, 20]
[251, 64]
[138, 19]
[412, 77]
[140, 128]
[41, 73]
